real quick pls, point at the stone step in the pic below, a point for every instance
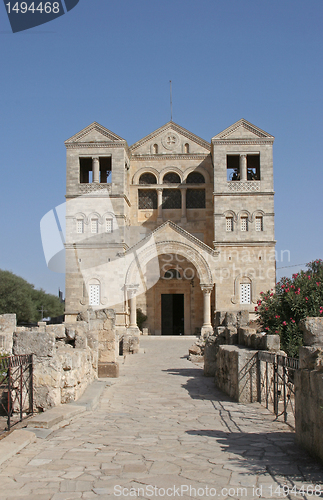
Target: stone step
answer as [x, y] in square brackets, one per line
[54, 416]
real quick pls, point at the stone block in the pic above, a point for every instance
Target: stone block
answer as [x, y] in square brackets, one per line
[312, 329]
[41, 344]
[57, 330]
[210, 351]
[109, 370]
[271, 343]
[242, 318]
[219, 318]
[231, 335]
[230, 319]
[236, 373]
[311, 358]
[195, 350]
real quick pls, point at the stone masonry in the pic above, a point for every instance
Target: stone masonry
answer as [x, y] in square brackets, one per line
[178, 433]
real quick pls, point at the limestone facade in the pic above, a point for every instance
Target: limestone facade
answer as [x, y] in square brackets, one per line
[174, 225]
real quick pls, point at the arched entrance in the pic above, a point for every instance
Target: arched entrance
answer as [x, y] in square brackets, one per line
[180, 302]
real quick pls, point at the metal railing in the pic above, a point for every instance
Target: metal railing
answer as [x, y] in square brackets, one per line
[16, 388]
[276, 384]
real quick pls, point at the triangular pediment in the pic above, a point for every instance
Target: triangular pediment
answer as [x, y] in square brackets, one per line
[171, 232]
[94, 133]
[170, 139]
[242, 130]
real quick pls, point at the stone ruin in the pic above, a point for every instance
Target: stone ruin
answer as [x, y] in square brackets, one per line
[66, 357]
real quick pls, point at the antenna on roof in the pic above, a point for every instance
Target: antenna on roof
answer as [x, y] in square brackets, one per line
[171, 101]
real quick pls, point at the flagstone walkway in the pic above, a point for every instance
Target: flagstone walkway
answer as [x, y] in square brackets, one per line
[162, 430]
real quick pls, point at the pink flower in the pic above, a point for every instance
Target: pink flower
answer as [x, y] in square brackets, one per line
[256, 308]
[276, 331]
[266, 308]
[306, 298]
[293, 321]
[318, 283]
[284, 323]
[267, 328]
[271, 294]
[277, 316]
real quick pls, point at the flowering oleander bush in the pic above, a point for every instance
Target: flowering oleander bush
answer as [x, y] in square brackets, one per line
[295, 298]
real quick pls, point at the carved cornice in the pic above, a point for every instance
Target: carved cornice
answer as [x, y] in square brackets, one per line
[180, 156]
[245, 193]
[243, 141]
[95, 145]
[244, 243]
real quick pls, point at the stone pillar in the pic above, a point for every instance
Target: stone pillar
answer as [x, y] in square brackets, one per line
[133, 308]
[160, 205]
[243, 167]
[184, 219]
[206, 329]
[96, 169]
[133, 329]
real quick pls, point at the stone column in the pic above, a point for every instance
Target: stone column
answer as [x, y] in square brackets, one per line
[243, 167]
[184, 219]
[133, 307]
[160, 205]
[131, 338]
[206, 329]
[96, 169]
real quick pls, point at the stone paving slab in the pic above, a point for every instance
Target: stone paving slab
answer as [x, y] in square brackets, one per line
[164, 430]
[15, 442]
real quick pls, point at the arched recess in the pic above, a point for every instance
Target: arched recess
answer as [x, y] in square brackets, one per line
[200, 170]
[257, 213]
[169, 247]
[167, 170]
[144, 170]
[230, 213]
[244, 213]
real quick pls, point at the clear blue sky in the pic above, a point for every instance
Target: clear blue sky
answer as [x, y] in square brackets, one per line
[111, 62]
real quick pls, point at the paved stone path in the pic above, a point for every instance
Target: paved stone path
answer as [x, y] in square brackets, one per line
[162, 430]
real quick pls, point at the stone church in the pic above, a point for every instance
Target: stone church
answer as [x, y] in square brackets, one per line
[174, 225]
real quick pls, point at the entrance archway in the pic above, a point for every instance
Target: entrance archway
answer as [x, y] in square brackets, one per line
[176, 251]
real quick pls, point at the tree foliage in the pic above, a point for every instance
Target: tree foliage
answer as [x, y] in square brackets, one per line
[19, 297]
[294, 299]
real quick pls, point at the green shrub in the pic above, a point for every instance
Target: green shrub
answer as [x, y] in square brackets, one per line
[294, 299]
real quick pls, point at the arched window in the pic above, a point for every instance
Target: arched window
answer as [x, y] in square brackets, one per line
[186, 148]
[172, 274]
[155, 149]
[147, 178]
[171, 178]
[195, 178]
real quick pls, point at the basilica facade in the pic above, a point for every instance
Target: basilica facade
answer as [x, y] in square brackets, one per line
[174, 225]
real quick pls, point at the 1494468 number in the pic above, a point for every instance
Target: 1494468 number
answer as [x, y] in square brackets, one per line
[23, 7]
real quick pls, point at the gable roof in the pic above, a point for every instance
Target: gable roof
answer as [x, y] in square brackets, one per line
[179, 230]
[176, 128]
[95, 133]
[242, 129]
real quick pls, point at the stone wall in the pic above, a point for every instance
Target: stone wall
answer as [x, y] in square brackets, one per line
[64, 364]
[309, 388]
[7, 327]
[68, 357]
